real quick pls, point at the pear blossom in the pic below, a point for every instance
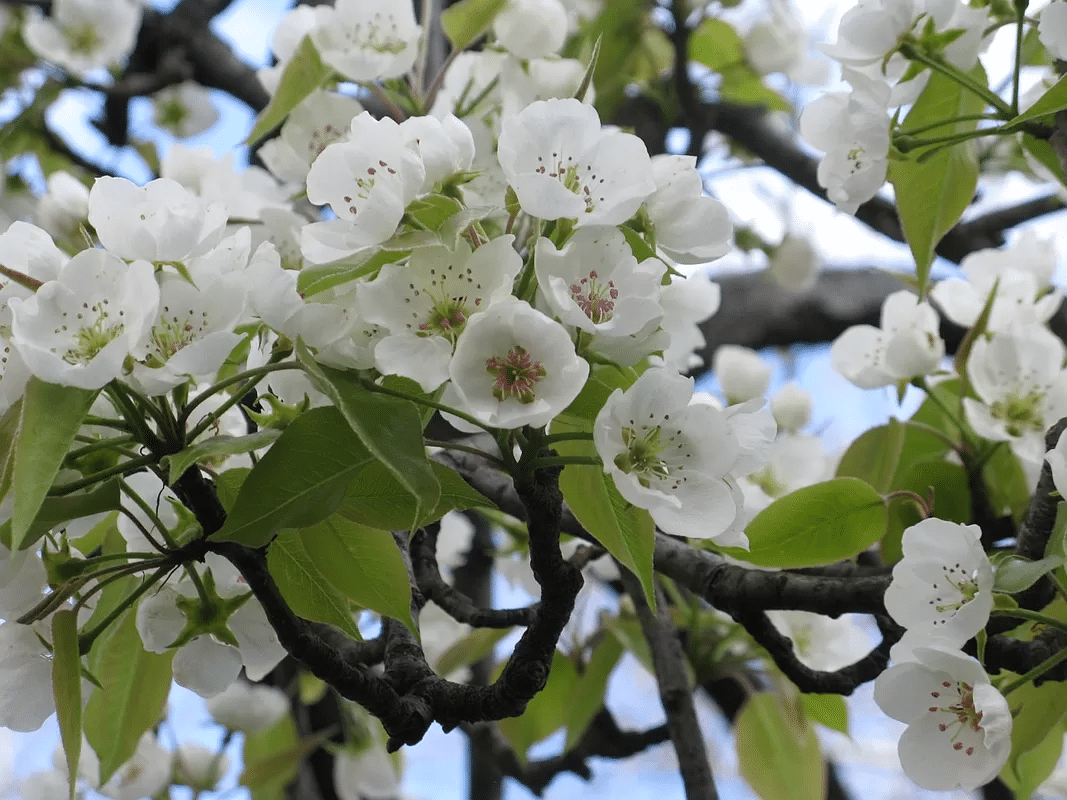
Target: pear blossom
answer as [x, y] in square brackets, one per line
[368, 181]
[160, 221]
[185, 110]
[690, 227]
[595, 284]
[741, 372]
[793, 460]
[199, 767]
[367, 773]
[852, 128]
[1022, 389]
[791, 406]
[248, 707]
[671, 457]
[319, 120]
[1052, 29]
[959, 725]
[26, 699]
[366, 40]
[446, 146]
[425, 304]
[64, 208]
[83, 35]
[523, 82]
[145, 774]
[943, 586]
[686, 303]
[562, 164]
[243, 193]
[794, 263]
[779, 43]
[821, 642]
[28, 250]
[78, 329]
[872, 29]
[531, 28]
[907, 344]
[514, 366]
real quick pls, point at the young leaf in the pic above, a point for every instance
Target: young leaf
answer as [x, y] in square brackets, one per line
[67, 688]
[134, 694]
[874, 456]
[304, 73]
[9, 425]
[465, 21]
[777, 751]
[51, 416]
[818, 524]
[1053, 100]
[362, 563]
[217, 446]
[475, 646]
[56, 510]
[826, 709]
[301, 480]
[389, 428]
[588, 695]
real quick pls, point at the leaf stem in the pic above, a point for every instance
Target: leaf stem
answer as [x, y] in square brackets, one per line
[1037, 671]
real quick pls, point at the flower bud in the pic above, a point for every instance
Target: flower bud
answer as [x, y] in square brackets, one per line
[791, 406]
[793, 264]
[199, 767]
[247, 707]
[742, 374]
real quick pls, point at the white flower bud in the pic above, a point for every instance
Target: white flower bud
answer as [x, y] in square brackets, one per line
[199, 767]
[791, 406]
[248, 707]
[794, 264]
[742, 374]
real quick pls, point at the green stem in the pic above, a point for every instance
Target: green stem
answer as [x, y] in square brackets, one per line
[85, 640]
[1037, 671]
[1020, 16]
[371, 386]
[133, 415]
[252, 375]
[562, 461]
[98, 477]
[953, 73]
[1032, 616]
[102, 444]
[150, 512]
[942, 123]
[575, 436]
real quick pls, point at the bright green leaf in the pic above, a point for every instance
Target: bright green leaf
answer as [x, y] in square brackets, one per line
[51, 416]
[815, 525]
[9, 426]
[67, 688]
[432, 211]
[305, 589]
[304, 73]
[1009, 490]
[272, 758]
[1014, 574]
[389, 427]
[1036, 735]
[932, 194]
[465, 21]
[716, 45]
[826, 709]
[301, 480]
[475, 646]
[952, 500]
[362, 563]
[134, 695]
[777, 751]
[228, 484]
[55, 511]
[1053, 100]
[218, 446]
[873, 457]
[548, 710]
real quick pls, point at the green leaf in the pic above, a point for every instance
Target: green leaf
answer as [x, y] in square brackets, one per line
[952, 500]
[389, 427]
[1053, 100]
[1044, 153]
[301, 480]
[377, 499]
[218, 446]
[9, 426]
[55, 511]
[932, 194]
[272, 759]
[1036, 735]
[716, 45]
[475, 646]
[619, 28]
[304, 73]
[777, 751]
[307, 591]
[432, 211]
[465, 21]
[318, 278]
[228, 485]
[51, 416]
[67, 688]
[1014, 573]
[874, 456]
[588, 695]
[815, 525]
[1009, 490]
[362, 563]
[548, 710]
[134, 695]
[826, 709]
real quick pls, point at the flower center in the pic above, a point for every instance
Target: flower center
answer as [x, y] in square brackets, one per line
[516, 375]
[1020, 414]
[91, 339]
[82, 39]
[596, 300]
[570, 175]
[767, 480]
[380, 35]
[172, 113]
[447, 318]
[646, 456]
[172, 333]
[966, 720]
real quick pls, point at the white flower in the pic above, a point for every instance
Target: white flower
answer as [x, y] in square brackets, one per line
[794, 264]
[779, 43]
[872, 29]
[1052, 30]
[514, 366]
[531, 28]
[144, 775]
[793, 460]
[78, 329]
[22, 578]
[1021, 387]
[206, 666]
[368, 181]
[741, 373]
[686, 303]
[445, 145]
[199, 767]
[319, 120]
[852, 128]
[185, 110]
[959, 725]
[908, 344]
[366, 40]
[243, 193]
[821, 642]
[670, 456]
[791, 406]
[160, 221]
[44, 785]
[367, 773]
[64, 208]
[595, 284]
[26, 699]
[426, 303]
[690, 227]
[248, 707]
[561, 164]
[943, 586]
[82, 35]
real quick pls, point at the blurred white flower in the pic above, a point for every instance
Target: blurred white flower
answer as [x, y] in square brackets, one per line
[185, 109]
